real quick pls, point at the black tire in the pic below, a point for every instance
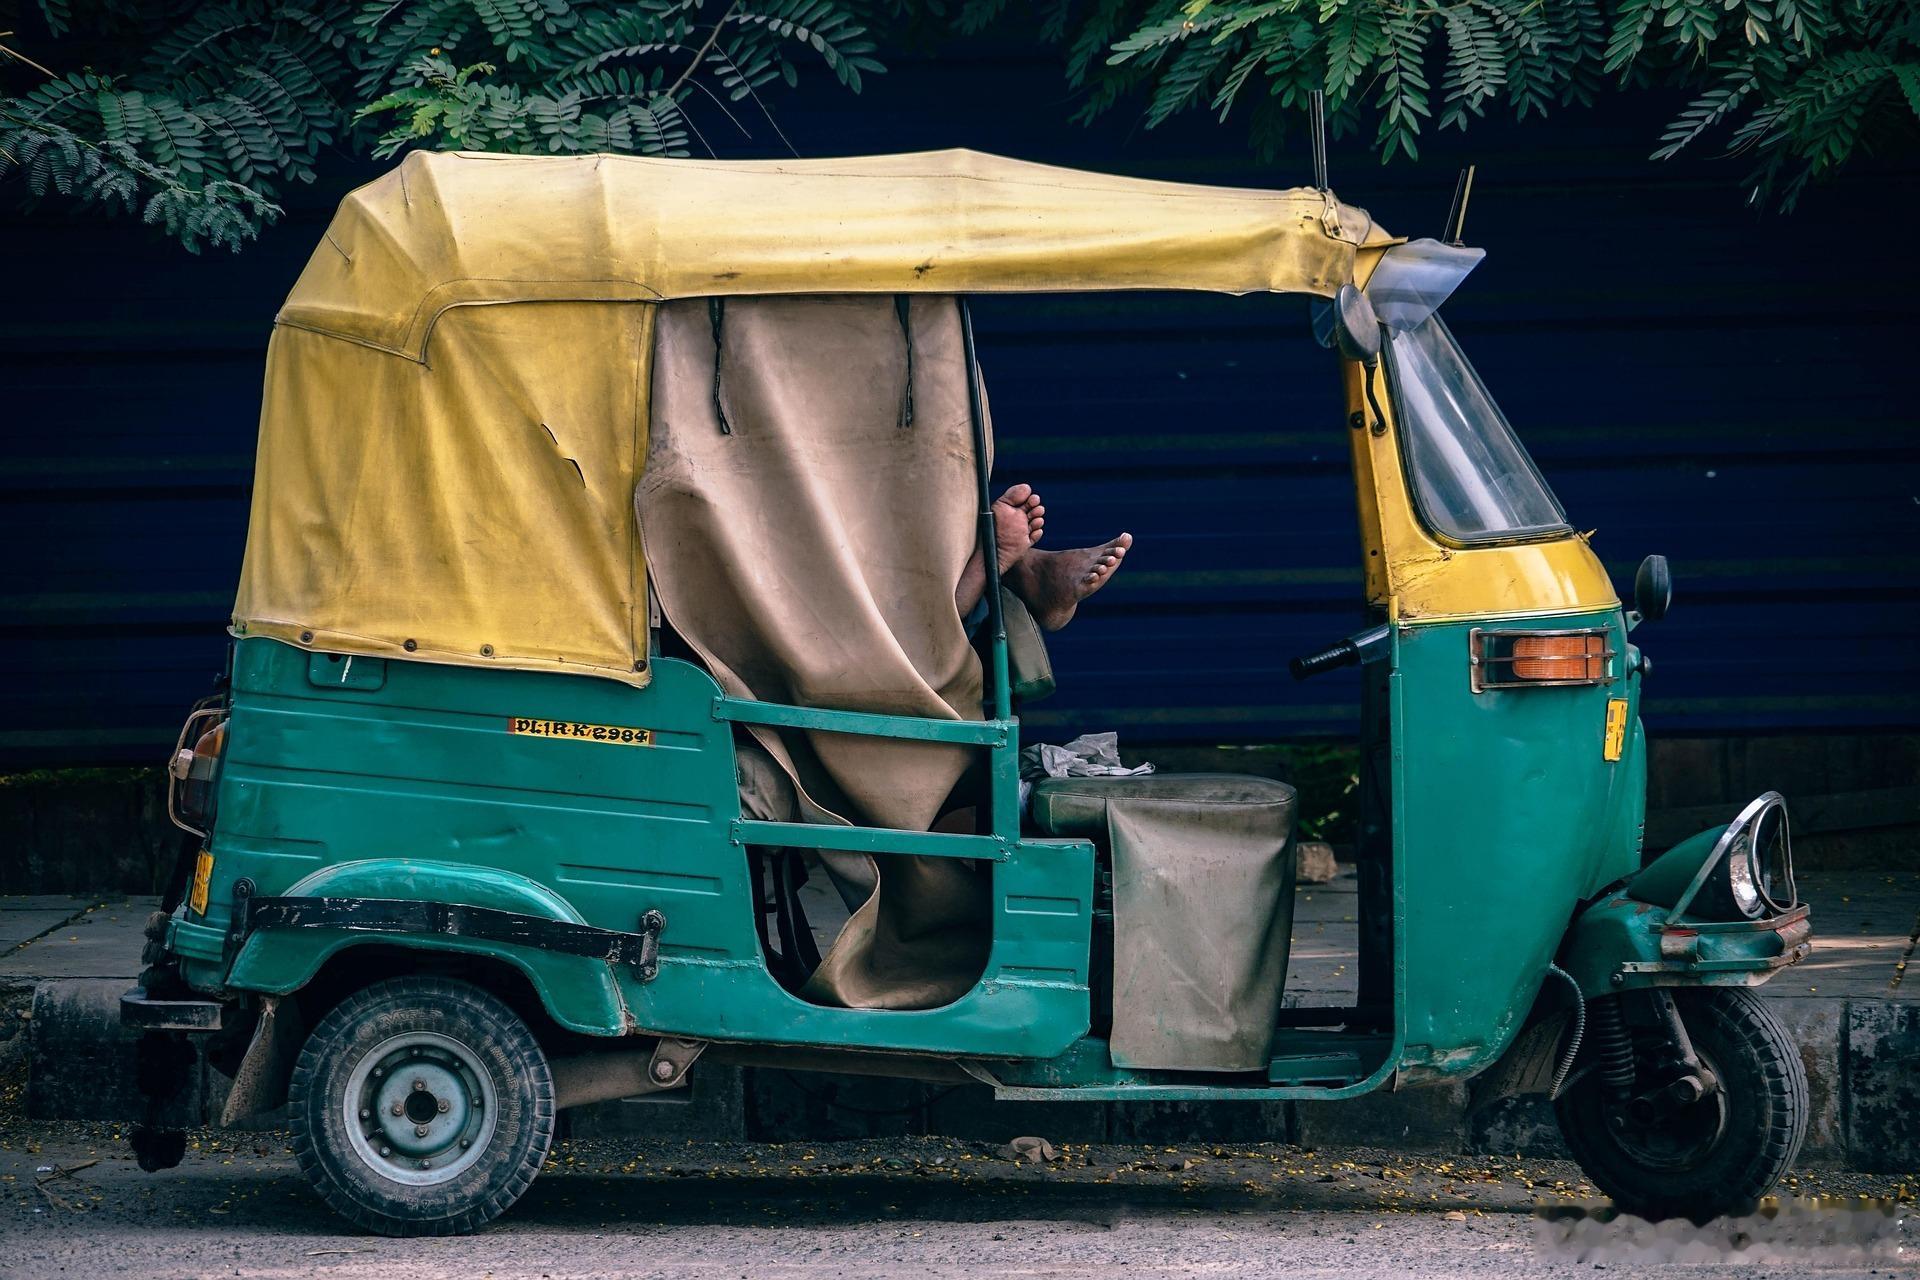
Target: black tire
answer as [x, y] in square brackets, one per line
[1709, 1162]
[451, 1111]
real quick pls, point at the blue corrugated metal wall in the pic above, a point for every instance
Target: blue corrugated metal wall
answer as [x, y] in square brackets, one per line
[1724, 387]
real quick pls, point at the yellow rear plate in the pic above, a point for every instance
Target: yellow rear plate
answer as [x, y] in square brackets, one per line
[202, 877]
[619, 735]
[1616, 728]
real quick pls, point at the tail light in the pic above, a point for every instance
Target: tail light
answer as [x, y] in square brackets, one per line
[192, 770]
[1500, 659]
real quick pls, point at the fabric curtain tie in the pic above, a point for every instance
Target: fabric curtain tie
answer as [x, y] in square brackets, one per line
[903, 307]
[716, 316]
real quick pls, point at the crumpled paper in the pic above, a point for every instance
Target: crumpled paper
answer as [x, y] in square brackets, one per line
[1032, 1150]
[1091, 755]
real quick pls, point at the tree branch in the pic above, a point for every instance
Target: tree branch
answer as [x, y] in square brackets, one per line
[17, 56]
[700, 54]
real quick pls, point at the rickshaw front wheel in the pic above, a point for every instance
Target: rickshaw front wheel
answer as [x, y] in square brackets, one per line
[1714, 1156]
[421, 1106]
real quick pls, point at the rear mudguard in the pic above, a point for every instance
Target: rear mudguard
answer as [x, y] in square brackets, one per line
[1631, 937]
[578, 992]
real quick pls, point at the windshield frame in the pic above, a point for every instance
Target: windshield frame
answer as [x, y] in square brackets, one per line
[1438, 529]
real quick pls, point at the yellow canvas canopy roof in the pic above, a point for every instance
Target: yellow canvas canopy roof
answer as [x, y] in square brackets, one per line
[449, 230]
[471, 501]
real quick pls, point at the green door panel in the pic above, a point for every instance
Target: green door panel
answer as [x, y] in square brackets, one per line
[1506, 816]
[451, 782]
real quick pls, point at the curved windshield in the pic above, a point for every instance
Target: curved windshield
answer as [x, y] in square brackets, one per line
[1472, 481]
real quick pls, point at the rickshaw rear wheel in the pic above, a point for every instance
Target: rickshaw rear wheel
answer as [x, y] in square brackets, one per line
[421, 1106]
[1718, 1155]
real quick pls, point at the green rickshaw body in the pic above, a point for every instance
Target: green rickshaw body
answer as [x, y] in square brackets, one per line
[593, 803]
[364, 778]
[590, 802]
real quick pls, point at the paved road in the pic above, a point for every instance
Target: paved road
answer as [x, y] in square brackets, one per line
[924, 1208]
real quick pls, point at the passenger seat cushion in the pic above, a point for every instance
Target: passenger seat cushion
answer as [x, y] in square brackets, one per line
[1078, 806]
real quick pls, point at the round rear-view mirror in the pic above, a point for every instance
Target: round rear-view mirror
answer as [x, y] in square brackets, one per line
[1355, 327]
[1653, 588]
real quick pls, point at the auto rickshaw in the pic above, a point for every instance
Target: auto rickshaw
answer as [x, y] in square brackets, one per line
[467, 844]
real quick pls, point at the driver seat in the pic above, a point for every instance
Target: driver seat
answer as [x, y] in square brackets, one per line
[1077, 807]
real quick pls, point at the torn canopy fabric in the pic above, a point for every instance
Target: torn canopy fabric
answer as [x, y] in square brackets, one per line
[806, 534]
[476, 511]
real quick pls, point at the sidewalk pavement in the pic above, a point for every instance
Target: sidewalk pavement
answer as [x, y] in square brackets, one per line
[1851, 1006]
[64, 962]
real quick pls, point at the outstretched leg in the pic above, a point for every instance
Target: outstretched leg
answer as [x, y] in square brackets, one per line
[1018, 519]
[1053, 583]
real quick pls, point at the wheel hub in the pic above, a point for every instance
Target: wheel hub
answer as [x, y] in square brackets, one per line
[1673, 1127]
[420, 1108]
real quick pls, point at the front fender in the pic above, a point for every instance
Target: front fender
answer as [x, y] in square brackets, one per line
[1632, 938]
[579, 992]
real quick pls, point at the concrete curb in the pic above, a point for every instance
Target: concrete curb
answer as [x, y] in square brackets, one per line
[81, 1063]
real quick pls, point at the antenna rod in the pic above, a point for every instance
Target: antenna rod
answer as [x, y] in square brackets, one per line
[1457, 214]
[1317, 124]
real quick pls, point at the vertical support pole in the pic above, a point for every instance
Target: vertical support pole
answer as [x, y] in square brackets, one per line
[1317, 127]
[1004, 802]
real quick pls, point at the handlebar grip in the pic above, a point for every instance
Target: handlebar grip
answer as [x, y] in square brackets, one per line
[1342, 654]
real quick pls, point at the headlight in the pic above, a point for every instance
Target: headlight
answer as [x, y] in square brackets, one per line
[1751, 873]
[1772, 850]
[1742, 878]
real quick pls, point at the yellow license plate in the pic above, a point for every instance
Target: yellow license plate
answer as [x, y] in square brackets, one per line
[202, 878]
[1616, 728]
[616, 734]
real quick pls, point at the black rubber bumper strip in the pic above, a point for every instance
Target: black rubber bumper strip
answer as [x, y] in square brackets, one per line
[412, 917]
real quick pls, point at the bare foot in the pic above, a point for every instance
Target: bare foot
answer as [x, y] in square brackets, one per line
[1018, 519]
[1053, 583]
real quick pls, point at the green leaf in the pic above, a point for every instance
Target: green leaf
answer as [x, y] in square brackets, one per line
[1908, 77]
[1353, 42]
[1157, 37]
[1185, 80]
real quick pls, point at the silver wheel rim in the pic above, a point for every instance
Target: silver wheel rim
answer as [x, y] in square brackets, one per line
[419, 1108]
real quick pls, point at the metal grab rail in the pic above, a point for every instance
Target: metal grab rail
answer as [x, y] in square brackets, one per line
[926, 844]
[974, 733]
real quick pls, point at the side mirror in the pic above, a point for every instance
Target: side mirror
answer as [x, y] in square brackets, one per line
[1356, 329]
[1653, 588]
